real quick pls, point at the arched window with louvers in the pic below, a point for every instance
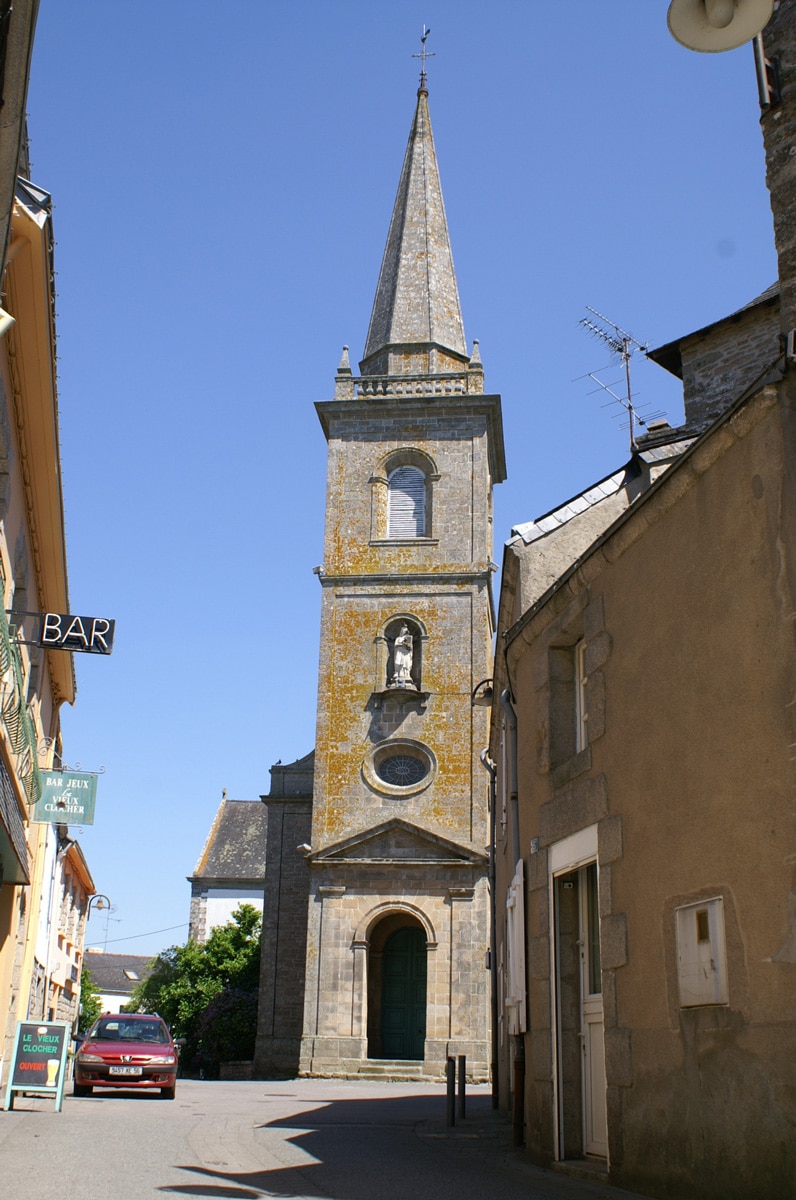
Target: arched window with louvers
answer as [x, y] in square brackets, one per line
[407, 503]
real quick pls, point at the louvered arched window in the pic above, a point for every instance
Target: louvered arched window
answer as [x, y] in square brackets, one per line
[407, 503]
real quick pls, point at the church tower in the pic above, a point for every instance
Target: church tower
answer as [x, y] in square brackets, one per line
[397, 870]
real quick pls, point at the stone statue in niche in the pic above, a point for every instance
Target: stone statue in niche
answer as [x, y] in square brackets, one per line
[402, 659]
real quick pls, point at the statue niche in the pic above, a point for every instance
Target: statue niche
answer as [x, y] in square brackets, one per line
[403, 662]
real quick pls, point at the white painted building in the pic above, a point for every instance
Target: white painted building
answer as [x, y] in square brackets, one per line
[231, 867]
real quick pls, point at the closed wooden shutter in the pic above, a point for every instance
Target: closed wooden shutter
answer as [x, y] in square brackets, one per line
[407, 507]
[516, 1017]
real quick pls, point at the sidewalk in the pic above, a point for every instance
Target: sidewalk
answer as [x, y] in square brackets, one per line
[485, 1136]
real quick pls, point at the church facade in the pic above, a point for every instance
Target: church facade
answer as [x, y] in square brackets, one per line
[376, 922]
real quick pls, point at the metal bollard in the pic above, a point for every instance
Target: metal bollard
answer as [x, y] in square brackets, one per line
[462, 1082]
[450, 1075]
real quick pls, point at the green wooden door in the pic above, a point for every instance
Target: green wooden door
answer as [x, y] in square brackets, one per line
[403, 1001]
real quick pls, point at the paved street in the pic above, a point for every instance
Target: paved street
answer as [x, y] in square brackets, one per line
[300, 1139]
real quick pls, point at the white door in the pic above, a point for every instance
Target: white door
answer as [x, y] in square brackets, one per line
[595, 1124]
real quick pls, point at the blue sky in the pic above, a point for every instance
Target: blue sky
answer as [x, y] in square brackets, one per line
[223, 177]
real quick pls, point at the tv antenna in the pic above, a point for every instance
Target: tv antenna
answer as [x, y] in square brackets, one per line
[622, 343]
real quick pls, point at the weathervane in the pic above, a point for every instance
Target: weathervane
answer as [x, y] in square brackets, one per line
[423, 55]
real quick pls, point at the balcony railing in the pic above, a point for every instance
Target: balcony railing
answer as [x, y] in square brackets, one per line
[14, 715]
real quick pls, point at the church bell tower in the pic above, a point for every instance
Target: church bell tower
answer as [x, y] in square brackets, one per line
[398, 921]
[393, 898]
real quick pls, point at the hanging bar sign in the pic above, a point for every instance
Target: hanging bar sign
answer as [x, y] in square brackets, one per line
[61, 631]
[67, 798]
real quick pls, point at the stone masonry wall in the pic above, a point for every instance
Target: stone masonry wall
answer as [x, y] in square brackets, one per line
[281, 1004]
[720, 364]
[452, 904]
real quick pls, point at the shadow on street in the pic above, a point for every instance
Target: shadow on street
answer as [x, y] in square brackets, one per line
[392, 1149]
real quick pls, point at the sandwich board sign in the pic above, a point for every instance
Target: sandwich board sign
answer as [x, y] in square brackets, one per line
[38, 1063]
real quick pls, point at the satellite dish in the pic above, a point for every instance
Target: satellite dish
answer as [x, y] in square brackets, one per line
[713, 25]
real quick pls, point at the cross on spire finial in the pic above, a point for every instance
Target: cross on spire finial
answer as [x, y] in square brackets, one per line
[423, 55]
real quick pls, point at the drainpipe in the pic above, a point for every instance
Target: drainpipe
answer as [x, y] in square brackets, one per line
[511, 722]
[518, 1116]
[492, 769]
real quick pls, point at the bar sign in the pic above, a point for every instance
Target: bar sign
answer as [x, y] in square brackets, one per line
[62, 631]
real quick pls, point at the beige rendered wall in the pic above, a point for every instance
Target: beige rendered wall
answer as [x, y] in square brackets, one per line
[688, 778]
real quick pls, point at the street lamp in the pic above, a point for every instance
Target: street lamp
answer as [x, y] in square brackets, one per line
[101, 902]
[482, 694]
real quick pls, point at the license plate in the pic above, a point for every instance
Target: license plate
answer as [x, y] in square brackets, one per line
[125, 1070]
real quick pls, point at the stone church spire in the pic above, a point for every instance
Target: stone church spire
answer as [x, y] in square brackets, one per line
[416, 325]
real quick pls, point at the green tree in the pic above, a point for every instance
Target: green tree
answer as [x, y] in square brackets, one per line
[90, 1003]
[186, 979]
[228, 1028]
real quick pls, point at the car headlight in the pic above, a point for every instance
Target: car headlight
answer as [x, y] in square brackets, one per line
[168, 1060]
[84, 1057]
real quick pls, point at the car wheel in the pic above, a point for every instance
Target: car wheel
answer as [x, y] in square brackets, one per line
[168, 1093]
[80, 1089]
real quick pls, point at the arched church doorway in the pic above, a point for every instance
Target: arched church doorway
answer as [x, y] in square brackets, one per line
[397, 989]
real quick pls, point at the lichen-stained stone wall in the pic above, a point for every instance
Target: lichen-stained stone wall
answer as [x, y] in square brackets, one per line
[440, 581]
[415, 854]
[354, 716]
[455, 435]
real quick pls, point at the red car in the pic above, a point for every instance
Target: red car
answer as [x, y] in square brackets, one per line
[127, 1050]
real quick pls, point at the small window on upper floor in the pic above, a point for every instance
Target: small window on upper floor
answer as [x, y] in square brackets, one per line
[568, 724]
[406, 516]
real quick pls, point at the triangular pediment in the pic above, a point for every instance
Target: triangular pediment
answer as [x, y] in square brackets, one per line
[399, 841]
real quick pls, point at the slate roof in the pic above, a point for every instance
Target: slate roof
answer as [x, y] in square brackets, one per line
[108, 970]
[529, 531]
[417, 300]
[235, 846]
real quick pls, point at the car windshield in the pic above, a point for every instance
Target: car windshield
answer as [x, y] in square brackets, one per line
[119, 1029]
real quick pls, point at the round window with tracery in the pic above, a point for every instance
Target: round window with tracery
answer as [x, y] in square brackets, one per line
[402, 770]
[399, 767]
